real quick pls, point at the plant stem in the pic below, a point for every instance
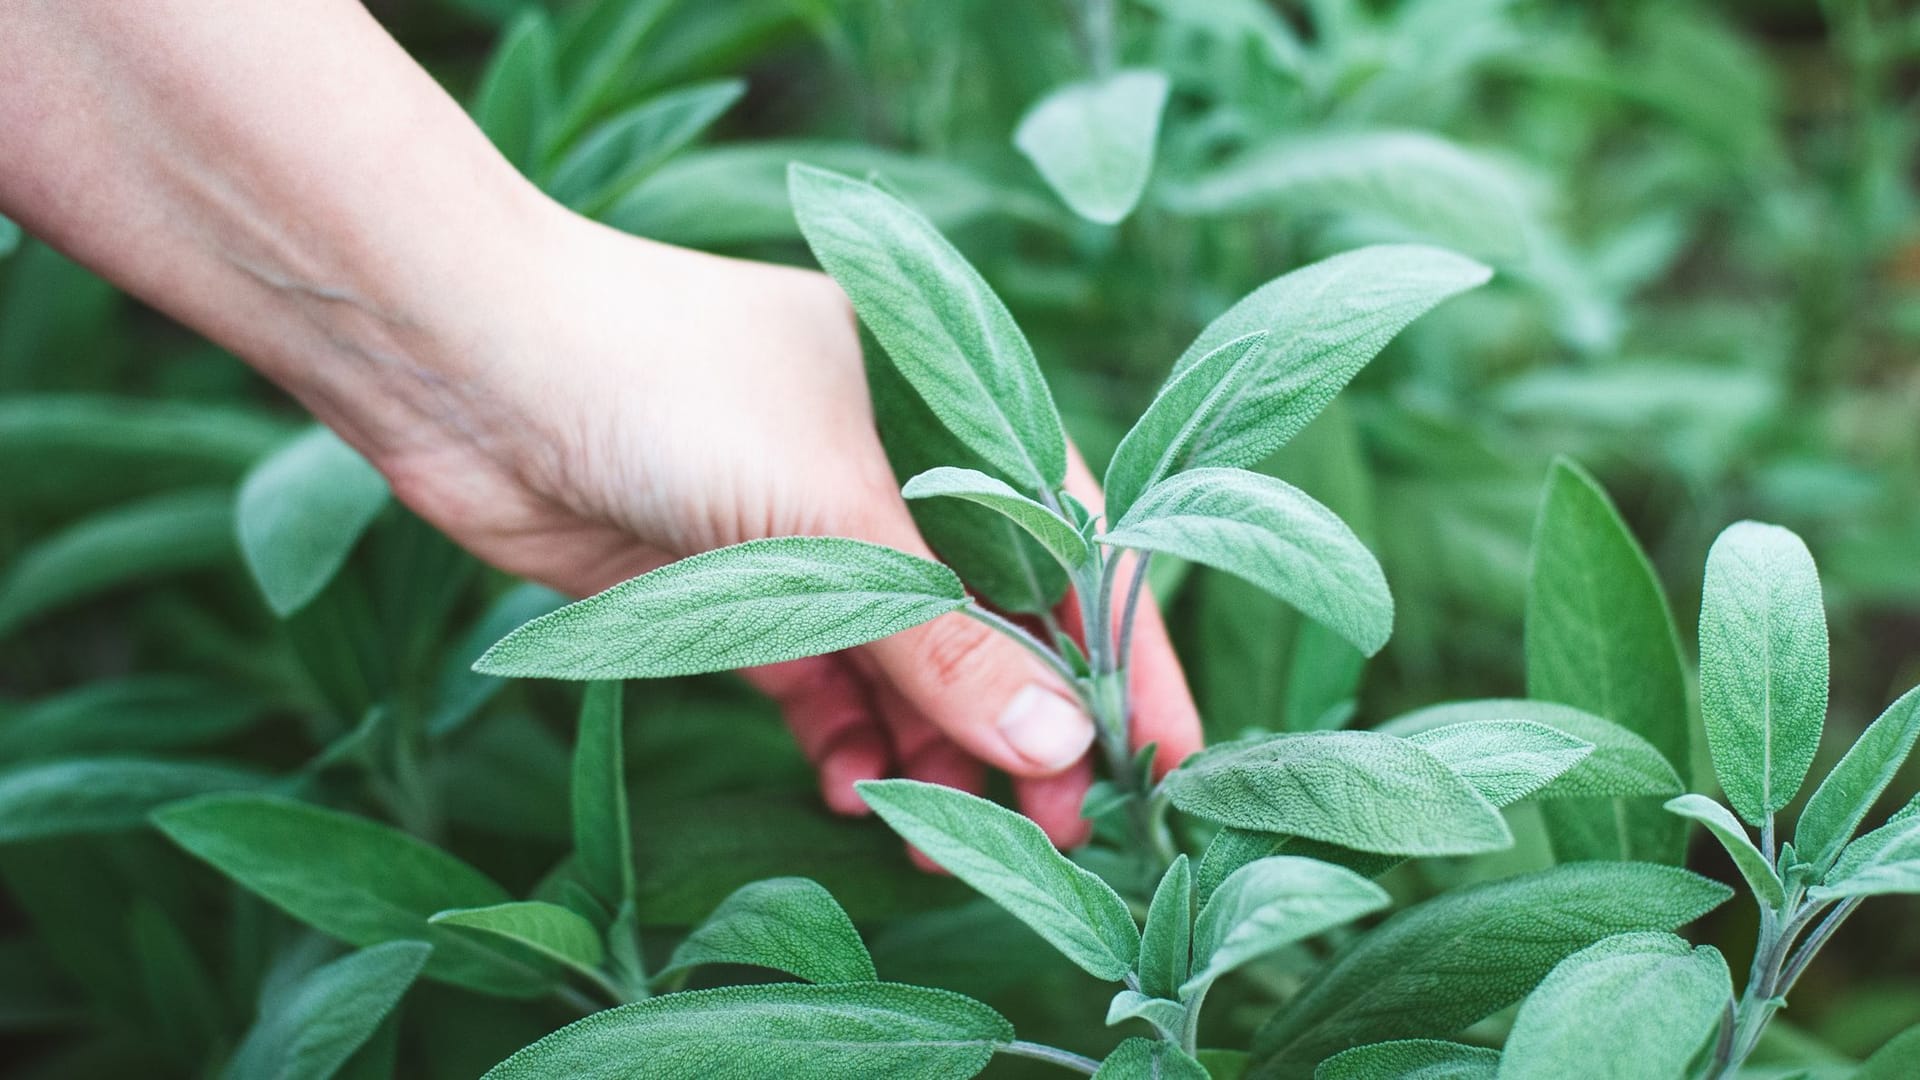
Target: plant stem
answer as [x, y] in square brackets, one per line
[1804, 956]
[1066, 1059]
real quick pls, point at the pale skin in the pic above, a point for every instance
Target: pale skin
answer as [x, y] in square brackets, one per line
[571, 404]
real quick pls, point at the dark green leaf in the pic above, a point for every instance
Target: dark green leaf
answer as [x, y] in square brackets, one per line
[602, 831]
[307, 1031]
[787, 924]
[517, 98]
[100, 795]
[548, 929]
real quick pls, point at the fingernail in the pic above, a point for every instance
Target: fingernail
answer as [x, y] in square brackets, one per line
[1046, 729]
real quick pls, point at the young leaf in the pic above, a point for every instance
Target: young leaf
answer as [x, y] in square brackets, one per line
[1753, 866]
[754, 603]
[308, 1030]
[1435, 968]
[1622, 764]
[1229, 850]
[1272, 534]
[548, 929]
[617, 155]
[936, 316]
[1270, 904]
[602, 833]
[1358, 789]
[355, 879]
[1186, 417]
[1166, 942]
[787, 924]
[1166, 1016]
[1149, 1059]
[1093, 141]
[517, 96]
[1411, 1059]
[1763, 665]
[1886, 860]
[1842, 800]
[1011, 862]
[77, 796]
[789, 1030]
[1634, 1005]
[1600, 638]
[299, 513]
[1054, 532]
[1505, 760]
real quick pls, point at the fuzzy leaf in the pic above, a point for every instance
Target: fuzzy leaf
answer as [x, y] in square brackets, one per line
[939, 320]
[1093, 141]
[1149, 1059]
[1054, 532]
[1411, 1059]
[1189, 416]
[613, 158]
[789, 1030]
[1011, 862]
[1726, 828]
[1621, 764]
[1270, 904]
[1841, 802]
[308, 1030]
[1166, 942]
[548, 929]
[1886, 860]
[80, 796]
[787, 924]
[1165, 1015]
[299, 513]
[759, 602]
[1505, 760]
[1272, 534]
[602, 831]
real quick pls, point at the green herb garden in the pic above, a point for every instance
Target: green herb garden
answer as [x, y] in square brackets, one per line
[1440, 354]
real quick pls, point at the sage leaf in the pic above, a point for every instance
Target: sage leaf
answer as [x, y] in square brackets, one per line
[1650, 992]
[1054, 532]
[1149, 1059]
[308, 1030]
[1621, 764]
[1229, 850]
[299, 513]
[1886, 860]
[1435, 968]
[462, 691]
[1093, 141]
[9, 237]
[1359, 789]
[1166, 940]
[1763, 665]
[936, 316]
[517, 97]
[1411, 1059]
[1007, 859]
[613, 158]
[1753, 866]
[1894, 1060]
[790, 1030]
[1167, 1017]
[602, 831]
[548, 929]
[1184, 420]
[1270, 904]
[1504, 760]
[81, 796]
[1272, 534]
[1841, 802]
[759, 602]
[135, 714]
[787, 924]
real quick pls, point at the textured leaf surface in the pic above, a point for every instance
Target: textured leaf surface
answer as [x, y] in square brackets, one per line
[617, 155]
[1270, 904]
[1886, 860]
[787, 924]
[1411, 1059]
[299, 513]
[1632, 1007]
[1010, 861]
[1166, 940]
[1053, 531]
[1763, 665]
[1504, 760]
[1841, 802]
[1358, 789]
[1733, 837]
[1166, 1015]
[1272, 534]
[1433, 969]
[77, 796]
[754, 603]
[548, 929]
[793, 1031]
[1621, 764]
[1187, 417]
[1093, 141]
[1149, 1059]
[939, 320]
[602, 831]
[307, 1031]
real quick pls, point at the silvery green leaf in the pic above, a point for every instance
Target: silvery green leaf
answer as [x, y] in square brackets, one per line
[1270, 904]
[1439, 966]
[1726, 828]
[1632, 1007]
[1621, 764]
[754, 603]
[1600, 637]
[614, 157]
[1166, 940]
[787, 924]
[81, 796]
[1165, 1015]
[1272, 534]
[1093, 141]
[1763, 665]
[548, 929]
[1841, 802]
[1359, 789]
[1187, 417]
[1229, 850]
[936, 316]
[602, 832]
[1504, 760]
[308, 1030]
[1149, 1059]
[1886, 860]
[299, 513]
[1054, 532]
[1411, 1059]
[1010, 861]
[790, 1030]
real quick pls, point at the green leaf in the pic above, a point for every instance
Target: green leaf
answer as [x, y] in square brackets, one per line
[1633, 1006]
[1272, 534]
[548, 929]
[1167, 1017]
[358, 880]
[1149, 1059]
[462, 691]
[1093, 141]
[613, 158]
[1166, 943]
[793, 1031]
[1504, 760]
[760, 602]
[1763, 665]
[1358, 789]
[1886, 860]
[1435, 968]
[787, 924]
[1054, 532]
[308, 1030]
[1841, 802]
[78, 796]
[299, 513]
[1600, 637]
[939, 320]
[140, 713]
[1270, 904]
[1753, 866]
[517, 96]
[1189, 416]
[1011, 862]
[1621, 764]
[602, 831]
[1894, 1060]
[1411, 1059]
[9, 237]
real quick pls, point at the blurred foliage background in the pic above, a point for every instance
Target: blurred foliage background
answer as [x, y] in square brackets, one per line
[1703, 221]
